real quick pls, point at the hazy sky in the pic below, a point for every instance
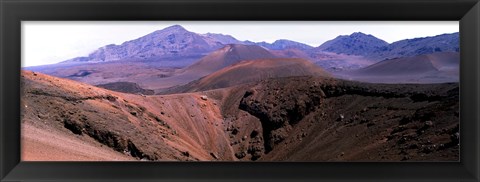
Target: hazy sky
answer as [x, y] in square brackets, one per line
[48, 42]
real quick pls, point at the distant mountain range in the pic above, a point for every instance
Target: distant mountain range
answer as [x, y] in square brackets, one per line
[420, 46]
[175, 42]
[374, 48]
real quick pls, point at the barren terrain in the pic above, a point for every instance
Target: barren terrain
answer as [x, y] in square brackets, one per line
[278, 119]
[251, 71]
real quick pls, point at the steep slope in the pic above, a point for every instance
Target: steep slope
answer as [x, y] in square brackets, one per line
[427, 68]
[253, 71]
[129, 126]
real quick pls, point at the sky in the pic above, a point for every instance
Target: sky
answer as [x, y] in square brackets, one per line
[49, 42]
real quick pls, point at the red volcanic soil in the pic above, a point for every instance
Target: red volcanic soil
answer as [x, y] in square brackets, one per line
[226, 56]
[282, 119]
[253, 71]
[217, 60]
[428, 68]
[142, 127]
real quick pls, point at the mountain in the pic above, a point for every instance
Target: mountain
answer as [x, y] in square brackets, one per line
[419, 46]
[356, 44]
[216, 60]
[142, 76]
[253, 71]
[228, 55]
[176, 46]
[174, 56]
[221, 38]
[284, 44]
[173, 41]
[426, 68]
[376, 49]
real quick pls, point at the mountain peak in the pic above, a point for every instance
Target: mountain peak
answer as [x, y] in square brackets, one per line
[359, 34]
[228, 55]
[356, 43]
[355, 35]
[175, 28]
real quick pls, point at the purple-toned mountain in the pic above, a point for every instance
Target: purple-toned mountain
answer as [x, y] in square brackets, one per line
[355, 44]
[285, 44]
[420, 46]
[173, 41]
[376, 49]
[221, 38]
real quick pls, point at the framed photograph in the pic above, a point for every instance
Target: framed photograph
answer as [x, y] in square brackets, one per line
[239, 90]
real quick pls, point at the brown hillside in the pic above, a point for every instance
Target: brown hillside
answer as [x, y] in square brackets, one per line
[281, 119]
[216, 60]
[227, 56]
[149, 128]
[311, 119]
[253, 71]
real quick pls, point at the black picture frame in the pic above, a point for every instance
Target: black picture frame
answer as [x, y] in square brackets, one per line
[12, 12]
